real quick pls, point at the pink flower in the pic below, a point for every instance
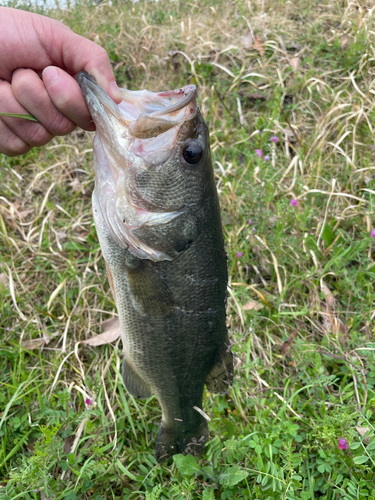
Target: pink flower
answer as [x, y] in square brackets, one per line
[343, 444]
[274, 138]
[250, 222]
[239, 254]
[373, 233]
[294, 203]
[259, 152]
[88, 402]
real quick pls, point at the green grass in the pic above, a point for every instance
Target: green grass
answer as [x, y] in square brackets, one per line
[305, 338]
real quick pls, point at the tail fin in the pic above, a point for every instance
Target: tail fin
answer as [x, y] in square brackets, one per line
[171, 441]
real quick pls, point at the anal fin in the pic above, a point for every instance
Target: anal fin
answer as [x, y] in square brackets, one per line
[220, 377]
[134, 384]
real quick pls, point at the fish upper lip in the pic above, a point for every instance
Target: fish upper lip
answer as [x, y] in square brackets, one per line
[191, 93]
[91, 88]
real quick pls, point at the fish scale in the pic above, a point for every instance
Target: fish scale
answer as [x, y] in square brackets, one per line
[171, 293]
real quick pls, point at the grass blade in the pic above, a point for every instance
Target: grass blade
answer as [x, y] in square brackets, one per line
[19, 115]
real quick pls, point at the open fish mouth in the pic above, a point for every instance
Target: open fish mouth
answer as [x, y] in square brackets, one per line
[139, 134]
[143, 117]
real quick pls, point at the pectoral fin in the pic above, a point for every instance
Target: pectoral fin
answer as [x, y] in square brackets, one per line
[134, 384]
[221, 376]
[149, 292]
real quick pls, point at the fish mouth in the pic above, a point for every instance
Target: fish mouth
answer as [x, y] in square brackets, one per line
[150, 121]
[140, 133]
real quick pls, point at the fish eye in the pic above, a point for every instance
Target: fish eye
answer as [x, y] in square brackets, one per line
[192, 153]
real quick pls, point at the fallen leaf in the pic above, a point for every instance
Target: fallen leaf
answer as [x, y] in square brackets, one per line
[258, 45]
[75, 184]
[262, 262]
[61, 235]
[238, 361]
[252, 306]
[247, 40]
[24, 213]
[344, 41]
[331, 323]
[110, 324]
[252, 96]
[43, 496]
[287, 343]
[362, 431]
[328, 295]
[4, 280]
[111, 332]
[68, 441]
[294, 62]
[273, 220]
[111, 283]
[103, 338]
[36, 343]
[95, 37]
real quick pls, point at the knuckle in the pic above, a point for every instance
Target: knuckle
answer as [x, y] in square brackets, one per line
[6, 94]
[61, 125]
[101, 53]
[21, 82]
[14, 146]
[37, 135]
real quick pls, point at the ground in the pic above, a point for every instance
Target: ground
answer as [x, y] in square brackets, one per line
[287, 89]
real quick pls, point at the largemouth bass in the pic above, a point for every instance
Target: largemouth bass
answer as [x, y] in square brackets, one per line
[157, 217]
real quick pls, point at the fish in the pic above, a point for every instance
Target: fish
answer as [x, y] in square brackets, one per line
[157, 216]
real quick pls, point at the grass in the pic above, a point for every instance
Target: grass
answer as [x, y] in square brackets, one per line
[301, 304]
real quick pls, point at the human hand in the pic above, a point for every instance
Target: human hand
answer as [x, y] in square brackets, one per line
[38, 59]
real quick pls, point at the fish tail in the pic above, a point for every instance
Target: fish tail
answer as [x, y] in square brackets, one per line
[171, 441]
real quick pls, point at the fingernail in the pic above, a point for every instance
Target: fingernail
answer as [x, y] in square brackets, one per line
[115, 91]
[50, 75]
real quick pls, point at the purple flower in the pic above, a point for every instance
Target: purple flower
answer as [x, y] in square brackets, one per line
[372, 236]
[267, 158]
[250, 222]
[88, 402]
[239, 254]
[259, 152]
[259, 132]
[274, 138]
[343, 444]
[294, 203]
[7, 329]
